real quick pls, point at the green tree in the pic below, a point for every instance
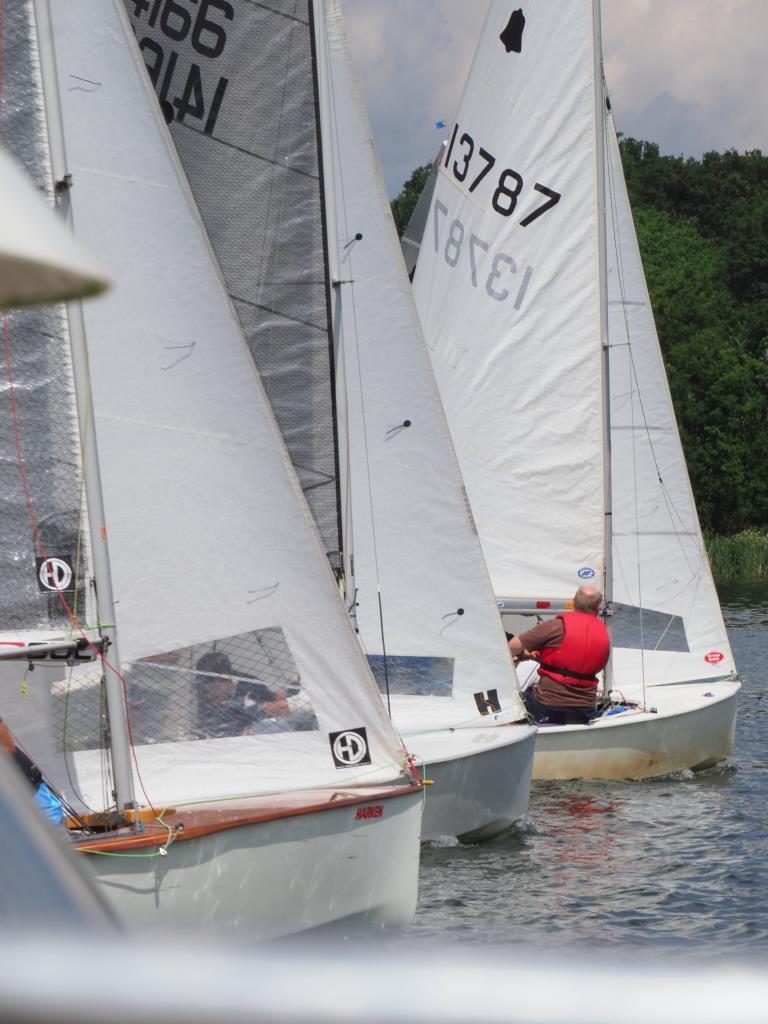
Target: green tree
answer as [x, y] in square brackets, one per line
[403, 204]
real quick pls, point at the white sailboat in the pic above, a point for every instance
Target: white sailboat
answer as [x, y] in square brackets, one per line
[337, 307]
[237, 769]
[530, 291]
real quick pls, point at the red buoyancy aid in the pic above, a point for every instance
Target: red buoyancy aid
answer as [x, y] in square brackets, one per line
[582, 654]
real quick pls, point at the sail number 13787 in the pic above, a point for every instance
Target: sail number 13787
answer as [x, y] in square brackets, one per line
[473, 163]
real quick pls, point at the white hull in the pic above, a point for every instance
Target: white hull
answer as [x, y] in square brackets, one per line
[480, 777]
[688, 731]
[279, 876]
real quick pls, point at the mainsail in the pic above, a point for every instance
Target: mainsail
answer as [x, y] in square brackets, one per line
[237, 82]
[507, 291]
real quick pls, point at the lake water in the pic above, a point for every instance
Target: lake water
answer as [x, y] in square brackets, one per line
[675, 866]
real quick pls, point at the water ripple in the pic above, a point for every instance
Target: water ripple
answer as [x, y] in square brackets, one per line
[673, 866]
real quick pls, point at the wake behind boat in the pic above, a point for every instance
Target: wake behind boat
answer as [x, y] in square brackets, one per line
[540, 329]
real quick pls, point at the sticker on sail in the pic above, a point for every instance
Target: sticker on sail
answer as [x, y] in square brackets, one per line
[714, 657]
[54, 574]
[350, 747]
[586, 573]
[512, 36]
[487, 703]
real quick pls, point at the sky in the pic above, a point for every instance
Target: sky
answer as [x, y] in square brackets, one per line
[687, 74]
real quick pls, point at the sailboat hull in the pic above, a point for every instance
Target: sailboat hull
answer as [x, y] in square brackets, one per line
[688, 731]
[266, 868]
[479, 780]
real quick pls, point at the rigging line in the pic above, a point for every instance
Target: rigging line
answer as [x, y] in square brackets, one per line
[355, 333]
[615, 230]
[38, 541]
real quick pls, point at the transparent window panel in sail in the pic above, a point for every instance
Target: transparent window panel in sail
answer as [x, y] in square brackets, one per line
[244, 685]
[415, 676]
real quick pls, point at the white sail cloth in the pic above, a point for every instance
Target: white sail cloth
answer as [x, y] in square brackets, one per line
[507, 292]
[422, 591]
[212, 547]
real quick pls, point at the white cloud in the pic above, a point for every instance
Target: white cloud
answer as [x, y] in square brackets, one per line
[687, 74]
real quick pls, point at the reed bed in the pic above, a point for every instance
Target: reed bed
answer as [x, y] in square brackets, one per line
[740, 556]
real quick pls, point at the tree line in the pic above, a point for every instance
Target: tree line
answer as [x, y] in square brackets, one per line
[702, 226]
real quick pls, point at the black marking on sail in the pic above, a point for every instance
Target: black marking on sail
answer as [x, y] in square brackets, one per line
[349, 748]
[512, 36]
[487, 703]
[55, 574]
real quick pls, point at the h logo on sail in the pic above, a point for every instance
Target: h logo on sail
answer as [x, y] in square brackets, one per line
[487, 703]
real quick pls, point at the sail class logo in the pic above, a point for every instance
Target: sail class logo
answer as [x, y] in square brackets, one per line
[350, 747]
[487, 703]
[55, 574]
[512, 36]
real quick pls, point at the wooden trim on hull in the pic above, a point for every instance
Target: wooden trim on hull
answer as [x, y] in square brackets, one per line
[192, 822]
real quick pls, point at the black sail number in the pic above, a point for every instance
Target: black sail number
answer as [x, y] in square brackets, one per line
[505, 197]
[469, 142]
[509, 185]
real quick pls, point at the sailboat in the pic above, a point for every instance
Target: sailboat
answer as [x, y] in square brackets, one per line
[530, 290]
[198, 696]
[334, 333]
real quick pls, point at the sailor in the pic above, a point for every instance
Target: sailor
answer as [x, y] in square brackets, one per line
[571, 649]
[45, 798]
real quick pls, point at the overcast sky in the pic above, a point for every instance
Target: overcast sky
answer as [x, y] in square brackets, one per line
[687, 74]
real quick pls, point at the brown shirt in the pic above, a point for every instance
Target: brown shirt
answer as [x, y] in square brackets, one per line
[551, 633]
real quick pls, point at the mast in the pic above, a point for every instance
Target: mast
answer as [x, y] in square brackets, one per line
[119, 738]
[600, 100]
[330, 230]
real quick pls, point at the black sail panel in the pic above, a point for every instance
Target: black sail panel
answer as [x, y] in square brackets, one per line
[237, 84]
